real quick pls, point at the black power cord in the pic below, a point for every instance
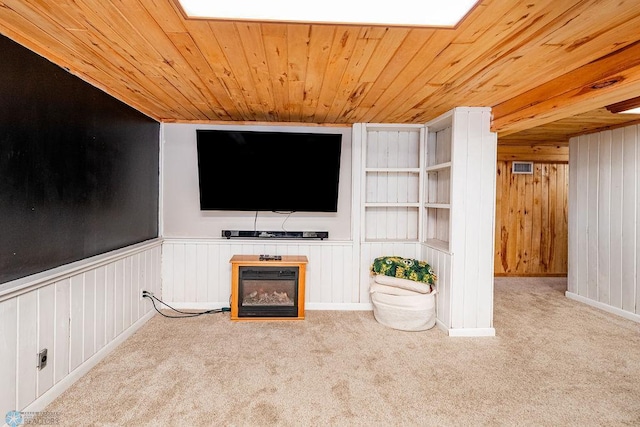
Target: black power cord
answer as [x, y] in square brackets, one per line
[185, 314]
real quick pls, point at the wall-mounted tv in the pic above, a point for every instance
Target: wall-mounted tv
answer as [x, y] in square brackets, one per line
[268, 171]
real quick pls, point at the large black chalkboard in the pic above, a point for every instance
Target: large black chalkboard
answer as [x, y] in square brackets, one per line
[79, 169]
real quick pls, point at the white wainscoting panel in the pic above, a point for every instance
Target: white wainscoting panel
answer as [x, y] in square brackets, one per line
[27, 350]
[8, 354]
[61, 318]
[196, 273]
[441, 263]
[604, 218]
[74, 312]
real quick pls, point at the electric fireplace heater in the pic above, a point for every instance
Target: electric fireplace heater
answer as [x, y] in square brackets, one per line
[268, 292]
[268, 288]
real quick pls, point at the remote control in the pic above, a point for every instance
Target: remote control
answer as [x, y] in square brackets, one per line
[270, 258]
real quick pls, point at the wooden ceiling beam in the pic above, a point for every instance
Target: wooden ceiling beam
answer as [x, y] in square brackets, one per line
[624, 105]
[612, 78]
[533, 153]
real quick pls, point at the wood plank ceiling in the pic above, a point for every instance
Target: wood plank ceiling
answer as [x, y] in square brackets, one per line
[543, 65]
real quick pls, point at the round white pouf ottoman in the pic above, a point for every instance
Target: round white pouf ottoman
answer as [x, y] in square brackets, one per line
[403, 309]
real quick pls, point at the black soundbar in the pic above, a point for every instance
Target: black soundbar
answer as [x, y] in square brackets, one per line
[245, 234]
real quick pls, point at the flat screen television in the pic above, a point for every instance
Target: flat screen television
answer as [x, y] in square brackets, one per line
[268, 171]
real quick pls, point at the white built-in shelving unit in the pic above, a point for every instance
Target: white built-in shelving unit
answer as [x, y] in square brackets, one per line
[428, 191]
[388, 179]
[459, 216]
[437, 206]
[392, 165]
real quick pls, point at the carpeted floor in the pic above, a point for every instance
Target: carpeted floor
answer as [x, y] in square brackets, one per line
[554, 362]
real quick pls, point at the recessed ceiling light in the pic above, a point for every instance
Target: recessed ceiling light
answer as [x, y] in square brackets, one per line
[428, 13]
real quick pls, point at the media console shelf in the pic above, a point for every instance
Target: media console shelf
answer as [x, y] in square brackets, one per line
[267, 289]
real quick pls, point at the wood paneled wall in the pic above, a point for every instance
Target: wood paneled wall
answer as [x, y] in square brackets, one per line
[531, 221]
[534, 152]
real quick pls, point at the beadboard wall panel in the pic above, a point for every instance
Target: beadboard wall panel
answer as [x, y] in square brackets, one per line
[441, 263]
[61, 316]
[392, 222]
[197, 273]
[391, 162]
[74, 313]
[604, 230]
[27, 350]
[473, 222]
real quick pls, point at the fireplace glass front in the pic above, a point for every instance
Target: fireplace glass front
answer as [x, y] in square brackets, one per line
[268, 292]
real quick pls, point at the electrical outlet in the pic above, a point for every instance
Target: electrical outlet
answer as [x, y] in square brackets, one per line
[42, 359]
[144, 293]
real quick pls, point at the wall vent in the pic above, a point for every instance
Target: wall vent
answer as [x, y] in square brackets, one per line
[522, 168]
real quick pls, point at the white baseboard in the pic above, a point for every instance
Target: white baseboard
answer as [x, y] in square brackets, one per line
[605, 307]
[57, 389]
[308, 306]
[442, 326]
[472, 332]
[353, 306]
[193, 305]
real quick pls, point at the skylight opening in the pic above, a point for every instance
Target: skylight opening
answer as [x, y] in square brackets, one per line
[427, 13]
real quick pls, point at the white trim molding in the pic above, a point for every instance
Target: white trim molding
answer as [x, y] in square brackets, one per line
[26, 284]
[604, 307]
[339, 306]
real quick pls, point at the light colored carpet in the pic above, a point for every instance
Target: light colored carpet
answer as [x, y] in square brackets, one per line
[554, 362]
